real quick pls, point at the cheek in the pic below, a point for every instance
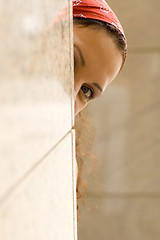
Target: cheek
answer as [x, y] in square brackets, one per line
[79, 104]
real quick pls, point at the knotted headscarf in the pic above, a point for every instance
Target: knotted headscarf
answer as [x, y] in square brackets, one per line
[98, 10]
[93, 9]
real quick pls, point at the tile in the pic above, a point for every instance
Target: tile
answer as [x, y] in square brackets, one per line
[41, 207]
[140, 20]
[36, 85]
[126, 119]
[120, 219]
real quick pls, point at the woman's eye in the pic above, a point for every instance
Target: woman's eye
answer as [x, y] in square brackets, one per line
[88, 92]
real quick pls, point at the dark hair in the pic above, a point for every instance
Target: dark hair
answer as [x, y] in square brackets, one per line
[113, 31]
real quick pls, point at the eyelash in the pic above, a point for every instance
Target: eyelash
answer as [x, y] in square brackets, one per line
[92, 92]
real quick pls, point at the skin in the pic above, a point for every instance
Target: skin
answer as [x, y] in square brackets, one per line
[97, 61]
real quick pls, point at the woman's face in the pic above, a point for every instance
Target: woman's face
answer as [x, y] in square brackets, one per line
[97, 61]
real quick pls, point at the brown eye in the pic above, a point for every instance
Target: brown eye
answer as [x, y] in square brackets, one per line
[88, 92]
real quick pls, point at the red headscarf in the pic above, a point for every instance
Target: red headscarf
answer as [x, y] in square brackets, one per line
[93, 9]
[96, 9]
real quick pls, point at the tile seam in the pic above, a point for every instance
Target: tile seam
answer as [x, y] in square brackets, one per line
[123, 195]
[30, 171]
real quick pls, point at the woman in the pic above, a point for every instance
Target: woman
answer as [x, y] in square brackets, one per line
[100, 50]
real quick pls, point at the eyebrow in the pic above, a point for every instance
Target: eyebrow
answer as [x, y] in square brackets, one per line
[80, 53]
[98, 86]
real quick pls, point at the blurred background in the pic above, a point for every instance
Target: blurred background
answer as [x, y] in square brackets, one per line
[123, 200]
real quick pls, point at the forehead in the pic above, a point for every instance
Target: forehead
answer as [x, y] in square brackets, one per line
[103, 58]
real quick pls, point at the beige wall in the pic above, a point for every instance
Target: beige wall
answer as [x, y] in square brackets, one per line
[37, 187]
[124, 202]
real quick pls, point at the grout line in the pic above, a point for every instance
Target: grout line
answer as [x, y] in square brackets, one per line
[129, 195]
[74, 186]
[71, 59]
[74, 193]
[30, 171]
[138, 50]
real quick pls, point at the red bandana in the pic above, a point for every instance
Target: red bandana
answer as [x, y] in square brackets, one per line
[93, 9]
[96, 9]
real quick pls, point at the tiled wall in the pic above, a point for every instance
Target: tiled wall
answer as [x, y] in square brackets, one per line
[124, 197]
[37, 188]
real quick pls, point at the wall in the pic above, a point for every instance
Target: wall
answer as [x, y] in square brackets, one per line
[123, 201]
[37, 164]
